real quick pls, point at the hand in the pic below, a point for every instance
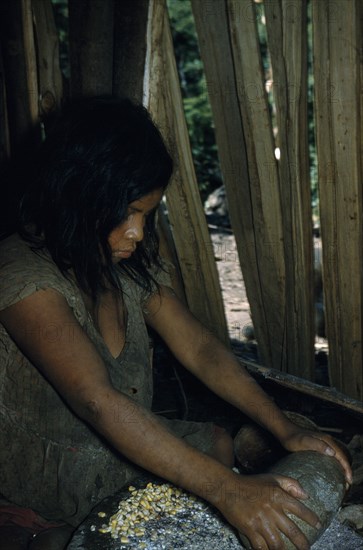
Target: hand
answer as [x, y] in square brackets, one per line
[257, 507]
[305, 440]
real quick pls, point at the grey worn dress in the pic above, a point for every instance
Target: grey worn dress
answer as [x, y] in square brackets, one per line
[51, 461]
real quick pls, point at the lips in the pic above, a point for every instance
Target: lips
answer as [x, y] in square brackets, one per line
[123, 253]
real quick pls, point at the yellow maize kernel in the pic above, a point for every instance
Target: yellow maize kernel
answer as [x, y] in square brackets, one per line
[124, 539]
[101, 514]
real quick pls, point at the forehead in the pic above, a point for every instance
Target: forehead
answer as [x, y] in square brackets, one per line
[147, 202]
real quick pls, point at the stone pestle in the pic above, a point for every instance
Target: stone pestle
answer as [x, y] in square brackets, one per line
[322, 478]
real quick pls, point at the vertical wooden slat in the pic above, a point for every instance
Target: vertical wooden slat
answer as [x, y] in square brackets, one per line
[130, 48]
[184, 204]
[91, 46]
[130, 30]
[286, 22]
[30, 61]
[337, 44]
[5, 189]
[229, 48]
[4, 122]
[168, 252]
[47, 43]
[16, 31]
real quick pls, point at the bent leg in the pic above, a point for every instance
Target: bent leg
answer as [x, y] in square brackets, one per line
[222, 449]
[205, 436]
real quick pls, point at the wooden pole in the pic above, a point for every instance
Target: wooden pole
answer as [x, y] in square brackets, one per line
[30, 61]
[4, 122]
[286, 22]
[185, 209]
[130, 29]
[229, 48]
[338, 93]
[19, 62]
[168, 252]
[91, 47]
[305, 387]
[47, 43]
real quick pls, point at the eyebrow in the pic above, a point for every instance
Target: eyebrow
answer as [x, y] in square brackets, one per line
[134, 209]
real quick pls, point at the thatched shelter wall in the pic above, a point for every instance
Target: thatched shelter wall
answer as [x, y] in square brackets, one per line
[125, 47]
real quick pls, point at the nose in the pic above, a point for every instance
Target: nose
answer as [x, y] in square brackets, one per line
[136, 231]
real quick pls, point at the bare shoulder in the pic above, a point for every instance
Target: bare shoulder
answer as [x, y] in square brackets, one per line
[45, 329]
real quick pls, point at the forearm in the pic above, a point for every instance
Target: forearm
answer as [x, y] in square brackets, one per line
[138, 435]
[223, 374]
[220, 370]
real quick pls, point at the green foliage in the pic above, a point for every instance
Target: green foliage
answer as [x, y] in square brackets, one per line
[195, 97]
[60, 9]
[196, 105]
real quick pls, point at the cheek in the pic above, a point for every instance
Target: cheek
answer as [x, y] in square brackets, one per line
[116, 236]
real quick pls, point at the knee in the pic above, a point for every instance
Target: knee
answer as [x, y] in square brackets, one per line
[223, 447]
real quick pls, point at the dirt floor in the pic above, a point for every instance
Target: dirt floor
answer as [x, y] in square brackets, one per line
[237, 308]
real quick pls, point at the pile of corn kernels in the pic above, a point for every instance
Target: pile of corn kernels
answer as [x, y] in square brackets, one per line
[144, 505]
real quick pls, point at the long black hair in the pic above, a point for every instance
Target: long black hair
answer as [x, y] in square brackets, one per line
[100, 155]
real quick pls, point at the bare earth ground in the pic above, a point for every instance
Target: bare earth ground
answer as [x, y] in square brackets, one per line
[237, 308]
[236, 305]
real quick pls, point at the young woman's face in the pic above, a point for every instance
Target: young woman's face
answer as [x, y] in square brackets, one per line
[124, 237]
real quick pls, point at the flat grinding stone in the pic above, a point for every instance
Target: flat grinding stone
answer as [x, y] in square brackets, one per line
[202, 528]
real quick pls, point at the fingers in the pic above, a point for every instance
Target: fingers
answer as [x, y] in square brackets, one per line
[254, 542]
[270, 520]
[301, 511]
[326, 445]
[294, 534]
[323, 447]
[341, 456]
[291, 486]
[270, 536]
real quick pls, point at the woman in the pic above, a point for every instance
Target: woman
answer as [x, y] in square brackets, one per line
[80, 281]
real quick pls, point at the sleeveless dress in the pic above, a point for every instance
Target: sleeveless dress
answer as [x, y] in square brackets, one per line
[51, 461]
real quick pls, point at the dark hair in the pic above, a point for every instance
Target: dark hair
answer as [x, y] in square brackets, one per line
[100, 155]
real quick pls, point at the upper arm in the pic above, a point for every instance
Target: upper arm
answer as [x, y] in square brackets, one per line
[182, 332]
[45, 329]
